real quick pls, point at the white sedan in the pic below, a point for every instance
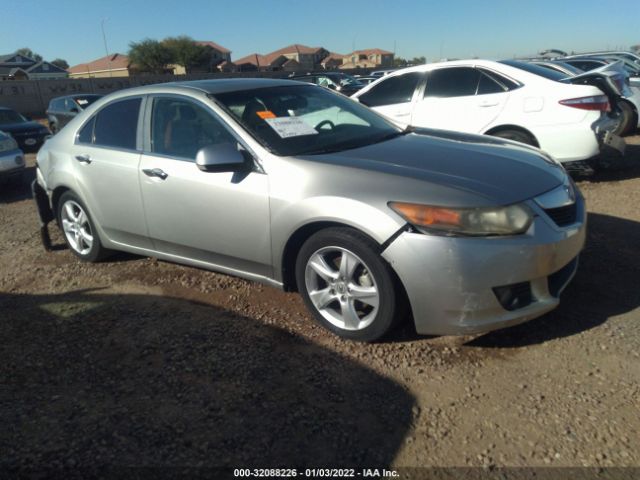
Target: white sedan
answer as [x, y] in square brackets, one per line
[570, 122]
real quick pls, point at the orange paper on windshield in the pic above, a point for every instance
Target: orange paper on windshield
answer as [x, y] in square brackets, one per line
[266, 114]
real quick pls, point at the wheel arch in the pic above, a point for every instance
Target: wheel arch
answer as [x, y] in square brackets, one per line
[502, 128]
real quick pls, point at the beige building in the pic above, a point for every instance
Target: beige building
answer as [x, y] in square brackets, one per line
[369, 58]
[114, 65]
[291, 58]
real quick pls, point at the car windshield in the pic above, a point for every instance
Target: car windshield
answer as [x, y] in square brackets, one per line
[9, 116]
[86, 100]
[301, 119]
[536, 70]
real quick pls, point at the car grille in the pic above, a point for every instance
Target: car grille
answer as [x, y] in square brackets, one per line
[514, 296]
[558, 280]
[563, 216]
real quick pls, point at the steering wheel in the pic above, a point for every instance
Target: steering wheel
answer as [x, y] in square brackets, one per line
[323, 123]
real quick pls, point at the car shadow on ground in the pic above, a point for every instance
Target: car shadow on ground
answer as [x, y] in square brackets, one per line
[19, 188]
[90, 379]
[615, 167]
[605, 285]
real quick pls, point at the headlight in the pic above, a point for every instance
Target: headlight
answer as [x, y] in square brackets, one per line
[509, 220]
[8, 144]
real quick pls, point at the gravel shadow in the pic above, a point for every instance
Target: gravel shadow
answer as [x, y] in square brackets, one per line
[605, 285]
[92, 380]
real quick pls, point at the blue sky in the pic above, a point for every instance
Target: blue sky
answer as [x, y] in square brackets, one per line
[70, 29]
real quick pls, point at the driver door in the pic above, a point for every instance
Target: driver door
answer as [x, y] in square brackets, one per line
[217, 218]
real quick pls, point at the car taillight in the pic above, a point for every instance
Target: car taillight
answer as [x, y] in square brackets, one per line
[596, 102]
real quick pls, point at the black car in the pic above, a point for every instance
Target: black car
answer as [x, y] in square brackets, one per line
[62, 109]
[340, 82]
[30, 135]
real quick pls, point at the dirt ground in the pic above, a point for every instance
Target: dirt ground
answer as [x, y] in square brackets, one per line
[135, 361]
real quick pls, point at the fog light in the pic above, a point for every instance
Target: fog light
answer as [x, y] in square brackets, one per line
[512, 297]
[19, 160]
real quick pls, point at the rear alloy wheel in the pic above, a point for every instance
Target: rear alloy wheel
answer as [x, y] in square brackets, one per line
[347, 286]
[516, 136]
[79, 231]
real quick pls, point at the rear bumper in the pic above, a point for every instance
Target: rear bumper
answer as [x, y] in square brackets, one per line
[462, 285]
[579, 141]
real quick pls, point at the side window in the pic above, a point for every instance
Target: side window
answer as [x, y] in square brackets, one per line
[179, 128]
[452, 82]
[489, 85]
[392, 90]
[69, 104]
[86, 134]
[116, 125]
[507, 83]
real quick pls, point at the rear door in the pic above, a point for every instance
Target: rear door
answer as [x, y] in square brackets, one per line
[106, 155]
[220, 218]
[464, 99]
[393, 96]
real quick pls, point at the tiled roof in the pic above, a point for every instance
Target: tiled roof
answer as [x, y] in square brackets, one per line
[110, 62]
[370, 51]
[208, 43]
[295, 48]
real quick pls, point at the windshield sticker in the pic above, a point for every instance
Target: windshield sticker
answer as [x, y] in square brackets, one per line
[264, 114]
[82, 101]
[288, 127]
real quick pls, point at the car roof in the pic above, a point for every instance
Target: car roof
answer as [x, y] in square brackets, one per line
[225, 85]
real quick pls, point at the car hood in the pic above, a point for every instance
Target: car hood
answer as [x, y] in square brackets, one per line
[501, 171]
[21, 127]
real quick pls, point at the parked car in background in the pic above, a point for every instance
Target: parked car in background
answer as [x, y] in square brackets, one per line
[12, 164]
[570, 122]
[30, 135]
[321, 195]
[367, 80]
[628, 104]
[340, 82]
[62, 109]
[382, 73]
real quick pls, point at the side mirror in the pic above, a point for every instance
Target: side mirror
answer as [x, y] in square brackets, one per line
[223, 157]
[331, 86]
[74, 110]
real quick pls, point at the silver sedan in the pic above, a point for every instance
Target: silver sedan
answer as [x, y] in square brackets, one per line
[293, 185]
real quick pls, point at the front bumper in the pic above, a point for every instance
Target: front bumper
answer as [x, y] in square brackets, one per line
[451, 282]
[11, 163]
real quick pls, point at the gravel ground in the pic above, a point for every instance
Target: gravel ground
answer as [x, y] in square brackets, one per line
[135, 361]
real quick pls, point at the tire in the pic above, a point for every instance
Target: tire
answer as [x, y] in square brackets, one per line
[359, 303]
[516, 136]
[78, 229]
[627, 119]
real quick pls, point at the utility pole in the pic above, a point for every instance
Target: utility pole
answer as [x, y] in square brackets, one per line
[106, 49]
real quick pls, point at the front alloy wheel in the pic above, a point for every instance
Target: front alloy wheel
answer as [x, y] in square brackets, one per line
[341, 288]
[348, 287]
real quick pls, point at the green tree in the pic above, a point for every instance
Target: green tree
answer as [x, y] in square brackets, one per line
[418, 60]
[59, 62]
[635, 48]
[149, 56]
[399, 62]
[186, 52]
[27, 52]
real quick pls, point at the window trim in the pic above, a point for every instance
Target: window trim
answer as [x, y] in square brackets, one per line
[146, 128]
[138, 149]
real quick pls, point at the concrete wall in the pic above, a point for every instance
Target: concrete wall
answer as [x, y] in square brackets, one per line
[31, 97]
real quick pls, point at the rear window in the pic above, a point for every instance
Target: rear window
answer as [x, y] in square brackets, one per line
[536, 70]
[116, 125]
[452, 82]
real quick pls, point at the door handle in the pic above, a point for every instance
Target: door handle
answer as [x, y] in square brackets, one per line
[487, 104]
[155, 172]
[84, 159]
[406, 114]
